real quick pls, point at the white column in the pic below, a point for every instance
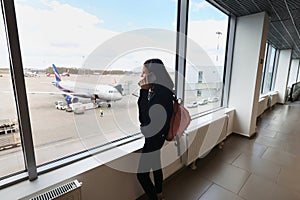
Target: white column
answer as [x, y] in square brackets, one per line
[249, 50]
[282, 74]
[293, 72]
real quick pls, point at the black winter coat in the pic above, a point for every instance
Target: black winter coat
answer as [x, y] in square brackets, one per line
[155, 111]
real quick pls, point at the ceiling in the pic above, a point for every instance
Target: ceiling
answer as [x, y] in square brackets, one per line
[284, 27]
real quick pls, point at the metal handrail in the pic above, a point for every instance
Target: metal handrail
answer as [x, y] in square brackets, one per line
[295, 87]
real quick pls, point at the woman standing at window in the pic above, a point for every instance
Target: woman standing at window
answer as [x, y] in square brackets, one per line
[155, 105]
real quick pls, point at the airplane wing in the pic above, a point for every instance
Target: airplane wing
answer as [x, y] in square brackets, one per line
[51, 93]
[41, 92]
[84, 95]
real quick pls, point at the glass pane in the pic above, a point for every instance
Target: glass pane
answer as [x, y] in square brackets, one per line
[269, 74]
[264, 69]
[298, 76]
[293, 72]
[207, 34]
[10, 150]
[94, 46]
[268, 69]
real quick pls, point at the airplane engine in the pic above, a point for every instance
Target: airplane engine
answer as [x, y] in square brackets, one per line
[71, 99]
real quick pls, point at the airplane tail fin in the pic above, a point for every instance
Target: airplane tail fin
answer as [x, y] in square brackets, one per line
[56, 73]
[119, 88]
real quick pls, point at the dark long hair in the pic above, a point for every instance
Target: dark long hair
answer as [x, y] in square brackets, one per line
[157, 67]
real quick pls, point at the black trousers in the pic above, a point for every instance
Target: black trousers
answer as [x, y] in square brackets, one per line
[150, 160]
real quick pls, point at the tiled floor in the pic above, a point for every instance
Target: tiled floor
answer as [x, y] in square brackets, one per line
[265, 167]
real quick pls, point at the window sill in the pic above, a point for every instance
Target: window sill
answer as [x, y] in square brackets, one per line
[205, 119]
[64, 173]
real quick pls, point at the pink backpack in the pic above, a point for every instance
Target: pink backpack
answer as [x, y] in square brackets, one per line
[180, 120]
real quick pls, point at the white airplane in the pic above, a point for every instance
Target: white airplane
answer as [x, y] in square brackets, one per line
[30, 74]
[74, 90]
[67, 73]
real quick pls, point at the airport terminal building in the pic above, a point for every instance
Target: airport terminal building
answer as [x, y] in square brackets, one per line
[203, 82]
[235, 66]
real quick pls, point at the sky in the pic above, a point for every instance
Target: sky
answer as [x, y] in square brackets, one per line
[66, 32]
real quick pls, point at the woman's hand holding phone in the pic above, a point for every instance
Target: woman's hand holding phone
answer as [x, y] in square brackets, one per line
[144, 83]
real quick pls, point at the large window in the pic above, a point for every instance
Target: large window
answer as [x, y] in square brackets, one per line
[11, 156]
[268, 69]
[84, 58]
[121, 35]
[206, 45]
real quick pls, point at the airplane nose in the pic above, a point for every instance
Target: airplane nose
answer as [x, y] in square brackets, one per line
[116, 97]
[119, 96]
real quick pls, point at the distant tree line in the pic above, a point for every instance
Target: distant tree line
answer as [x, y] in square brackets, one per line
[4, 71]
[62, 70]
[105, 72]
[73, 71]
[85, 71]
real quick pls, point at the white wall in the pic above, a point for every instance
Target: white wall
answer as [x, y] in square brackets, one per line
[249, 49]
[282, 74]
[293, 72]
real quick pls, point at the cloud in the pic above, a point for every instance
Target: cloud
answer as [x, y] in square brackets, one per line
[56, 29]
[4, 61]
[196, 6]
[133, 61]
[204, 34]
[56, 32]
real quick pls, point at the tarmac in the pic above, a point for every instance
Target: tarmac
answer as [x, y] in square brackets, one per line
[57, 133]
